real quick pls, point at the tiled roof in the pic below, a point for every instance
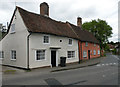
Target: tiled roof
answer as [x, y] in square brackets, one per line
[42, 24]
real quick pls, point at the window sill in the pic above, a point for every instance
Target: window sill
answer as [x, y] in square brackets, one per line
[40, 60]
[1, 58]
[13, 59]
[71, 58]
[70, 45]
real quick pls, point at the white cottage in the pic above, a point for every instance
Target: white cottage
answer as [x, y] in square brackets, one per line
[36, 40]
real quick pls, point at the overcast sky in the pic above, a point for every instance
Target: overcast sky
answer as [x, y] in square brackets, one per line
[68, 10]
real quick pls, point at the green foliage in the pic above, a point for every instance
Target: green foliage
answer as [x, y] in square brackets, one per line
[114, 51]
[100, 29]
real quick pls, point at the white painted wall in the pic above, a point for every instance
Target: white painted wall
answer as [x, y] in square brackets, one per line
[16, 41]
[36, 42]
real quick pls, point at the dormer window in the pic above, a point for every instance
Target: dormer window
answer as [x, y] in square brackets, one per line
[70, 42]
[46, 39]
[13, 28]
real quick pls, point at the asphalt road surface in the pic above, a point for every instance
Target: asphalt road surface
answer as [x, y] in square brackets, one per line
[105, 73]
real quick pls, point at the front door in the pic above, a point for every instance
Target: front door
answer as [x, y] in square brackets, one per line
[88, 54]
[53, 58]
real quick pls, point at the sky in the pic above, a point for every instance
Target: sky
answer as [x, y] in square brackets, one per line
[68, 10]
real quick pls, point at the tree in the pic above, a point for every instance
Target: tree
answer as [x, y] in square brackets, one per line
[100, 29]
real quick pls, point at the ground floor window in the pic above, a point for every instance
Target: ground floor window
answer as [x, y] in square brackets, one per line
[98, 52]
[1, 54]
[71, 54]
[40, 54]
[13, 54]
[84, 54]
[94, 52]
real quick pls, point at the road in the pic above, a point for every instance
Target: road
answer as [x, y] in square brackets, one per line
[105, 73]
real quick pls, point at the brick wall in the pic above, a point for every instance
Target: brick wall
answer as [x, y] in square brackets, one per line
[91, 47]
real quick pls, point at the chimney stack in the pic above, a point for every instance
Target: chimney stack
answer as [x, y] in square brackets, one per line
[79, 22]
[44, 9]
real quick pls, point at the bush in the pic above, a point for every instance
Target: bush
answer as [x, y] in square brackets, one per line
[114, 51]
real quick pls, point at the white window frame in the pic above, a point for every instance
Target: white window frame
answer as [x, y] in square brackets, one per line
[84, 54]
[98, 52]
[13, 54]
[94, 44]
[12, 28]
[94, 52]
[98, 46]
[48, 39]
[70, 54]
[69, 41]
[1, 54]
[36, 54]
[86, 44]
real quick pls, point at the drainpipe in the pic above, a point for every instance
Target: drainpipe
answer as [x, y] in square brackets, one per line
[81, 51]
[28, 51]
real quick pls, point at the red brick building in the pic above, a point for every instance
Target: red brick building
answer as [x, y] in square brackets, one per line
[88, 50]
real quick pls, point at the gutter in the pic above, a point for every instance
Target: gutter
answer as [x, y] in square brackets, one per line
[28, 51]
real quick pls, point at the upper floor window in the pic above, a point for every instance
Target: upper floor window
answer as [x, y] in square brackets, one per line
[70, 42]
[40, 54]
[71, 54]
[13, 28]
[98, 52]
[1, 54]
[46, 39]
[13, 54]
[84, 54]
[94, 44]
[94, 52]
[98, 46]
[86, 43]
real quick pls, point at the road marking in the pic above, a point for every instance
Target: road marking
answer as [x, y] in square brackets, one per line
[107, 64]
[110, 63]
[98, 65]
[103, 64]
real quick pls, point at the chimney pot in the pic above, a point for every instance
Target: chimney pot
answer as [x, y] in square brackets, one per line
[79, 22]
[44, 9]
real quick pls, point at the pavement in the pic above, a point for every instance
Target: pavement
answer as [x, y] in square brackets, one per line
[91, 62]
[86, 63]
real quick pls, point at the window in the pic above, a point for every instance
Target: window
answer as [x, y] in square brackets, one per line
[13, 54]
[13, 28]
[98, 52]
[94, 52]
[60, 40]
[84, 54]
[86, 44]
[46, 39]
[70, 42]
[94, 44]
[1, 54]
[71, 54]
[98, 46]
[40, 54]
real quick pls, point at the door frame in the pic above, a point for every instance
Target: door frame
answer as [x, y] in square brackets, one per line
[56, 57]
